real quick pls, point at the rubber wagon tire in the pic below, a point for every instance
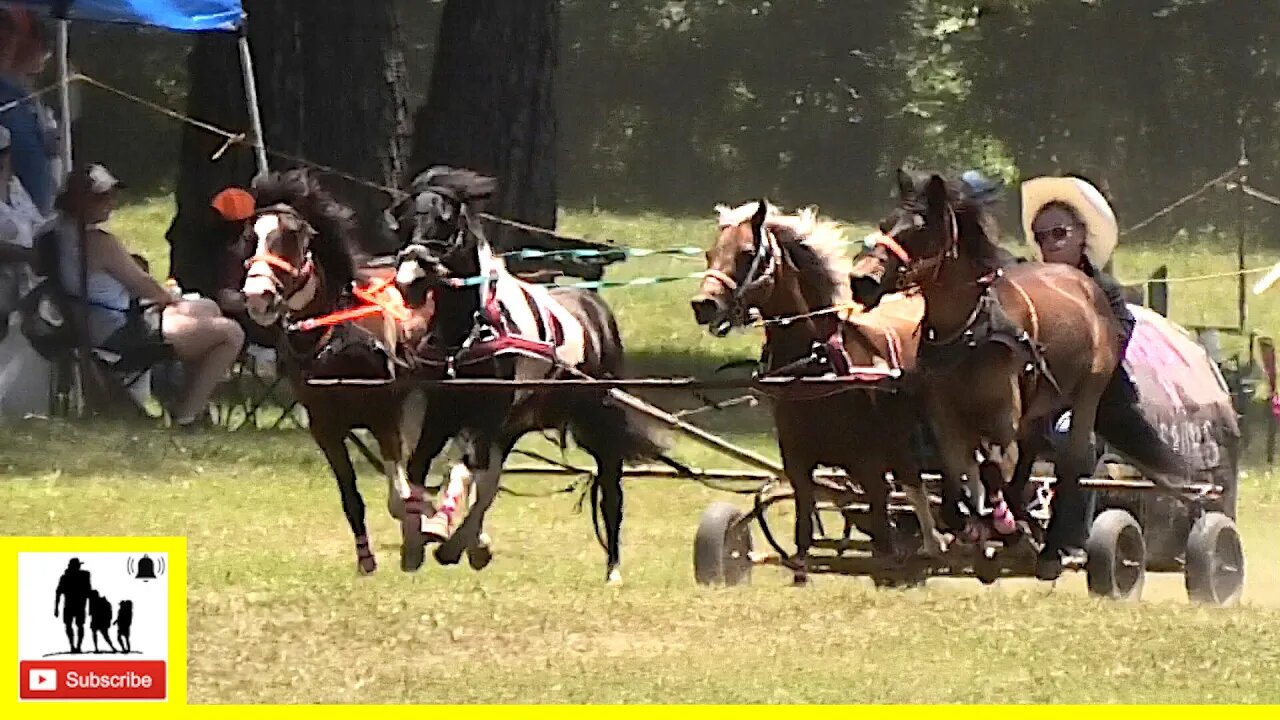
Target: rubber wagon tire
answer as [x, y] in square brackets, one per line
[1117, 565]
[1215, 561]
[722, 547]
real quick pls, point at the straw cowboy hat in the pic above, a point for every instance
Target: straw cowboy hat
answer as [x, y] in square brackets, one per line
[1087, 202]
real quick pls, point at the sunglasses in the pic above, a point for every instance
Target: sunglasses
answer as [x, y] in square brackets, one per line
[1057, 234]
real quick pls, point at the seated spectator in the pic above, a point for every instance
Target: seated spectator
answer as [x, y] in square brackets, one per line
[34, 137]
[24, 373]
[20, 221]
[204, 341]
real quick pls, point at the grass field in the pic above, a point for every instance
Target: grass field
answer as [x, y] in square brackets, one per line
[277, 613]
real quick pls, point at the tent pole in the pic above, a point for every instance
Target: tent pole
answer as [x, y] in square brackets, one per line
[64, 91]
[251, 97]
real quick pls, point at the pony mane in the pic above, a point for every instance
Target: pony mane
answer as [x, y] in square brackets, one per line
[464, 184]
[817, 245]
[975, 219]
[336, 245]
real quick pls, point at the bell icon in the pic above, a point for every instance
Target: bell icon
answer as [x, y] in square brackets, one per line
[146, 569]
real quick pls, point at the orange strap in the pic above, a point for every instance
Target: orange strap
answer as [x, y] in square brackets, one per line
[380, 298]
[384, 295]
[274, 261]
[888, 242]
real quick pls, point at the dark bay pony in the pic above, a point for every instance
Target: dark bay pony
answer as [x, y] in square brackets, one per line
[506, 329]
[1007, 346]
[795, 266]
[306, 259]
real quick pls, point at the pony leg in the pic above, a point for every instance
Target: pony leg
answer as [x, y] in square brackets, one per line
[999, 467]
[960, 465]
[802, 483]
[333, 446]
[876, 490]
[440, 526]
[907, 473]
[609, 475]
[1068, 525]
[486, 478]
[412, 539]
[1030, 445]
[393, 465]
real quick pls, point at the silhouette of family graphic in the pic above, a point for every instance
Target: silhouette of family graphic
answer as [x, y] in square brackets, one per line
[76, 598]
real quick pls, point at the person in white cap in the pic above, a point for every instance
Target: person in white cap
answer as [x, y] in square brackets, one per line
[204, 341]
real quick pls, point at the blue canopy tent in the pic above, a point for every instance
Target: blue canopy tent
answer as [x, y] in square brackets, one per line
[181, 15]
[178, 15]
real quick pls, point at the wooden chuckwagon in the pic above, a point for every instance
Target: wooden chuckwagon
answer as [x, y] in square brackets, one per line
[1135, 529]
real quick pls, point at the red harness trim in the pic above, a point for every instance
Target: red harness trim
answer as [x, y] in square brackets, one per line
[509, 340]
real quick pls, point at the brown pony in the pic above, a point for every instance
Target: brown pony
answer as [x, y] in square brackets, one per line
[793, 270]
[1005, 347]
[304, 265]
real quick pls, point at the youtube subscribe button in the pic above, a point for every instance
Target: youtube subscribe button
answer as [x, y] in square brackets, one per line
[92, 680]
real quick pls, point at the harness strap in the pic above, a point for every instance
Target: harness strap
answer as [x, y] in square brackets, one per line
[1031, 307]
[891, 244]
[724, 278]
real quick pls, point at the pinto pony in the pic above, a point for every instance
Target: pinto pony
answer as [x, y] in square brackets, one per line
[305, 268]
[793, 269]
[488, 324]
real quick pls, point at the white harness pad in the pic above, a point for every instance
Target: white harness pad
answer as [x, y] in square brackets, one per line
[530, 312]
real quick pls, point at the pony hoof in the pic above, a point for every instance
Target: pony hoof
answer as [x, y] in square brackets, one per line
[447, 554]
[800, 579]
[935, 545]
[1048, 566]
[479, 556]
[413, 544]
[367, 565]
[613, 578]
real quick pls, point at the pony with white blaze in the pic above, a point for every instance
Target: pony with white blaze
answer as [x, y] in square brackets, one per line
[343, 362]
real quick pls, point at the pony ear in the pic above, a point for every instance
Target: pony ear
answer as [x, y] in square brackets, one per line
[761, 214]
[906, 184]
[935, 192]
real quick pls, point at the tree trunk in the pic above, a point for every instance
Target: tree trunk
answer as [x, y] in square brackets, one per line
[331, 85]
[491, 107]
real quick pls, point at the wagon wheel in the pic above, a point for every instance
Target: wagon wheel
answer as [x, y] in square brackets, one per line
[1215, 561]
[1117, 566]
[722, 547]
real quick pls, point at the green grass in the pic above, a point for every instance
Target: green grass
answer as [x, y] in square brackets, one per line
[278, 614]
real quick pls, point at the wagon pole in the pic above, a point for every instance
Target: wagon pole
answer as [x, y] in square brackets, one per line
[736, 452]
[872, 379]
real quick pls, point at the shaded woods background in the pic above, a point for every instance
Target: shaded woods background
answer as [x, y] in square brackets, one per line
[672, 106]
